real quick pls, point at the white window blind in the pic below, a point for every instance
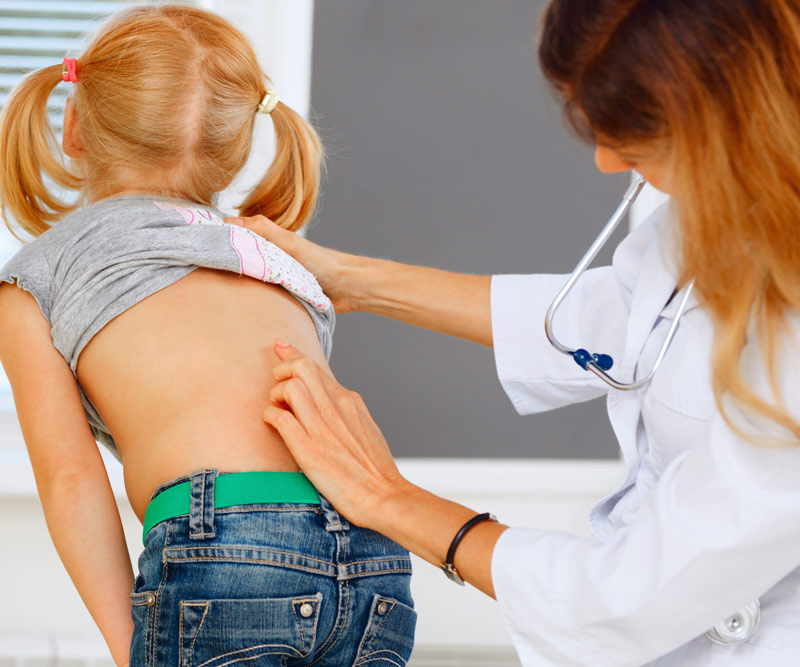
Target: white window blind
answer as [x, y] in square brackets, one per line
[35, 34]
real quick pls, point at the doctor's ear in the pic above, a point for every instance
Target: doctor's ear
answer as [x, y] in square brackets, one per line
[71, 140]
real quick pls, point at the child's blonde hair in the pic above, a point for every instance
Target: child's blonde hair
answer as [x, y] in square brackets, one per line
[166, 98]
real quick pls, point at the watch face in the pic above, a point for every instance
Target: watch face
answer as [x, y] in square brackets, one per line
[451, 573]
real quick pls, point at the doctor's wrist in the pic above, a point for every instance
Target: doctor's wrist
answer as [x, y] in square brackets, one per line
[357, 277]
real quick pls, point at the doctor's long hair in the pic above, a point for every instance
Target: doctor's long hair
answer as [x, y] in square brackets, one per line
[713, 88]
[166, 99]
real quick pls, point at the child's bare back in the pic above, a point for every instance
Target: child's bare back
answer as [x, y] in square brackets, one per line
[182, 378]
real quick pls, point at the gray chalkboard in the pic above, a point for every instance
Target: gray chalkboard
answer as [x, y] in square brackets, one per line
[447, 151]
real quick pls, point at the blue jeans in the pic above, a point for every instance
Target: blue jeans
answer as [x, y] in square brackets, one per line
[267, 585]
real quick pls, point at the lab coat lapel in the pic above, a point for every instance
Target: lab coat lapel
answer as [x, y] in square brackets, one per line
[654, 286]
[656, 283]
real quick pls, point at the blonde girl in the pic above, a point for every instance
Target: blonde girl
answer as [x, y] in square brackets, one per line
[139, 319]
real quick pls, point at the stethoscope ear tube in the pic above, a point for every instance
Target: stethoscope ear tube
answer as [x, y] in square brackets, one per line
[599, 364]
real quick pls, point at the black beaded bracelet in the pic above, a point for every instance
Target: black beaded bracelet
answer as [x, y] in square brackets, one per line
[447, 567]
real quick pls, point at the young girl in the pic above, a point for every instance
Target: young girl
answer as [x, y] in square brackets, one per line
[134, 319]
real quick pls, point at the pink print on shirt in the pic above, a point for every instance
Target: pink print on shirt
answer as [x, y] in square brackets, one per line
[260, 259]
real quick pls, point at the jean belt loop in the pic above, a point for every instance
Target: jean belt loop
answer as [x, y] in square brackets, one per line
[334, 521]
[201, 508]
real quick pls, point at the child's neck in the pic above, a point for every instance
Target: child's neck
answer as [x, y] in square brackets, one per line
[96, 197]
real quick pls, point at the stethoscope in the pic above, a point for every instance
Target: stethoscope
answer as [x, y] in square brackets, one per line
[599, 364]
[740, 626]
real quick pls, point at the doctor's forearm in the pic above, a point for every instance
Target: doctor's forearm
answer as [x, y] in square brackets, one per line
[450, 303]
[425, 524]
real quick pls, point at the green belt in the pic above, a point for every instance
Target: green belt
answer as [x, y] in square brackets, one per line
[238, 488]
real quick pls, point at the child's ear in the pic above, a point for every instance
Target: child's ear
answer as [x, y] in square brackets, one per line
[71, 140]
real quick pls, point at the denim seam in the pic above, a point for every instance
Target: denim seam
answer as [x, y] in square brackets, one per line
[200, 627]
[265, 507]
[161, 585]
[258, 562]
[366, 631]
[299, 625]
[381, 559]
[197, 632]
[383, 619]
[253, 657]
[368, 657]
[280, 648]
[242, 547]
[289, 566]
[384, 660]
[375, 573]
[344, 599]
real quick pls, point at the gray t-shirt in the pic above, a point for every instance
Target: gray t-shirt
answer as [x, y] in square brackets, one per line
[101, 260]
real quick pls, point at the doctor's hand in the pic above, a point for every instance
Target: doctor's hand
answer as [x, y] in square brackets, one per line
[326, 264]
[333, 438]
[336, 443]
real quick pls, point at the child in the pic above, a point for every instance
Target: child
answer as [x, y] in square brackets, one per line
[134, 320]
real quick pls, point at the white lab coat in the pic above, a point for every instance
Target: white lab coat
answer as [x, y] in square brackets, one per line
[704, 521]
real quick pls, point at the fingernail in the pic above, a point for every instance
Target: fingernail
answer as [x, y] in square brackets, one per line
[281, 343]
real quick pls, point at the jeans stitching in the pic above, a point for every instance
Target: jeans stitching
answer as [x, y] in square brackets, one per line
[242, 547]
[199, 627]
[299, 625]
[344, 600]
[158, 599]
[383, 619]
[266, 507]
[396, 664]
[265, 563]
[230, 662]
[251, 648]
[180, 636]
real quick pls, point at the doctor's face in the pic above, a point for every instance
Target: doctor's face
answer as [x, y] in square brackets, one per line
[612, 160]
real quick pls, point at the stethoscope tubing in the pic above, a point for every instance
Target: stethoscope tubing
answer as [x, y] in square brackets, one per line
[592, 365]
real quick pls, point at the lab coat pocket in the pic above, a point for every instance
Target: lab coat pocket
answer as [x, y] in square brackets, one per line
[679, 403]
[683, 382]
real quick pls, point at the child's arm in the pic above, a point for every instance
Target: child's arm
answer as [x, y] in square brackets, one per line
[76, 496]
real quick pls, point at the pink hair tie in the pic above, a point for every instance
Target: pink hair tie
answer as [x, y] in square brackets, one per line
[70, 70]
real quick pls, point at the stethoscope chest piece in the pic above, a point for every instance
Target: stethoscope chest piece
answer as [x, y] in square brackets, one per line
[737, 628]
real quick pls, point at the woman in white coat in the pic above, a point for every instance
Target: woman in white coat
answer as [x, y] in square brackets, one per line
[703, 98]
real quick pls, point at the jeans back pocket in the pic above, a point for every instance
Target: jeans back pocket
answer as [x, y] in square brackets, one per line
[255, 632]
[389, 636]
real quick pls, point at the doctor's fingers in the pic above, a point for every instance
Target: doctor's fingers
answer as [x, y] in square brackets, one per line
[319, 412]
[272, 232]
[298, 365]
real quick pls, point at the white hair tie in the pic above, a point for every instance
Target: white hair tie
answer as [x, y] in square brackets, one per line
[269, 102]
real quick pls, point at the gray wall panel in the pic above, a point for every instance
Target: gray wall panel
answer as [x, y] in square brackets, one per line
[447, 151]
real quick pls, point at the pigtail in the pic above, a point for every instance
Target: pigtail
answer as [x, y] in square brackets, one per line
[29, 154]
[288, 192]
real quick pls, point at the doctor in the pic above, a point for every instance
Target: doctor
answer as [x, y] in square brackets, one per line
[702, 97]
